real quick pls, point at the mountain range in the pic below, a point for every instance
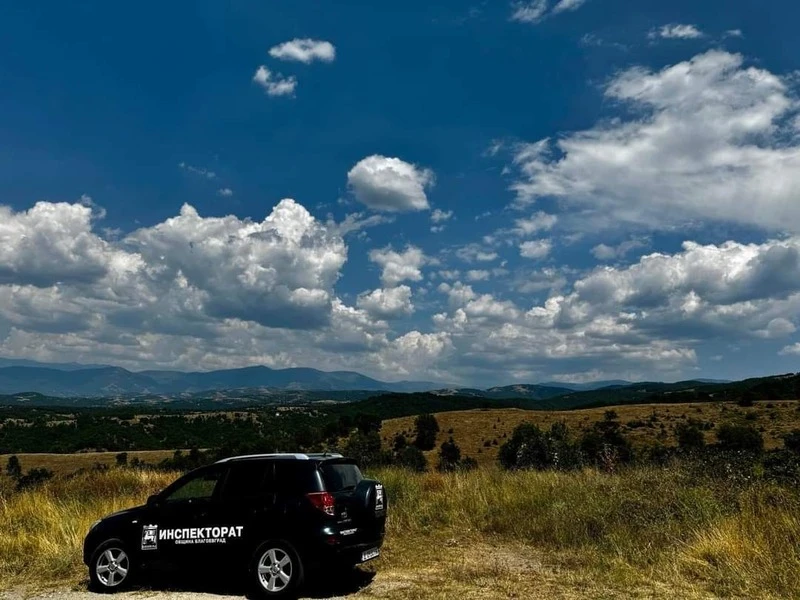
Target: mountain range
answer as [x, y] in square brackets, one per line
[66, 381]
[74, 380]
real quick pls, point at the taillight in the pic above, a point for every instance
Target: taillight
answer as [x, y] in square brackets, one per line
[323, 501]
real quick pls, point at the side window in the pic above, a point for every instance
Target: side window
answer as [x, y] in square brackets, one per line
[247, 480]
[201, 486]
[296, 477]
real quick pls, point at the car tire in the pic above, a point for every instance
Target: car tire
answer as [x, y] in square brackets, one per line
[276, 570]
[111, 567]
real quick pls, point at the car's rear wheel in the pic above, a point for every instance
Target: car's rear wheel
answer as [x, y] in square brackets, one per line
[110, 568]
[277, 570]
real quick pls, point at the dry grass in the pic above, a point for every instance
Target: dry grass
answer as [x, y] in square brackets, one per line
[42, 530]
[641, 533]
[62, 464]
[472, 428]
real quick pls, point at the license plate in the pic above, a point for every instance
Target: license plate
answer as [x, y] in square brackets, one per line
[370, 554]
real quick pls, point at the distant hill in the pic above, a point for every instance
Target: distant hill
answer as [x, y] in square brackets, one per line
[518, 391]
[115, 381]
[22, 362]
[586, 387]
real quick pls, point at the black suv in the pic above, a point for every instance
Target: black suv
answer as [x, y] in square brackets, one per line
[269, 517]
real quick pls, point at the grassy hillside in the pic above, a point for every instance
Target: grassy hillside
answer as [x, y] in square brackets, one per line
[480, 433]
[63, 464]
[488, 534]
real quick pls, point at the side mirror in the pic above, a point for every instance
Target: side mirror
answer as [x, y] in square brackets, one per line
[152, 500]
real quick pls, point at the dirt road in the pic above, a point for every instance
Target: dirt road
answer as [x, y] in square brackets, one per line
[488, 570]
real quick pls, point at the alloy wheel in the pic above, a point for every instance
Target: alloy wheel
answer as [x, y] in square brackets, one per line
[275, 570]
[112, 567]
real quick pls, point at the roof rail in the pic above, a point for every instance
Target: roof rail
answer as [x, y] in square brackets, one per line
[284, 456]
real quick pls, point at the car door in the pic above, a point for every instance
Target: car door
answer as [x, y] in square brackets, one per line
[246, 507]
[180, 531]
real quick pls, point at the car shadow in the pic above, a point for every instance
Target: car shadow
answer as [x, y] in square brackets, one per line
[337, 583]
[322, 585]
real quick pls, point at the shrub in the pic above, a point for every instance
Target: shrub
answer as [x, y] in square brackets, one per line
[740, 437]
[426, 427]
[400, 443]
[13, 467]
[122, 459]
[690, 436]
[605, 443]
[412, 458]
[33, 478]
[532, 448]
[747, 399]
[791, 441]
[782, 466]
[467, 464]
[449, 456]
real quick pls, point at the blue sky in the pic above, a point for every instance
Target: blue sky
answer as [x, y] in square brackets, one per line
[470, 192]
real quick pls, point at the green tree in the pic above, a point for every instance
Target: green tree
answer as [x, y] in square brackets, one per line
[367, 423]
[426, 427]
[365, 448]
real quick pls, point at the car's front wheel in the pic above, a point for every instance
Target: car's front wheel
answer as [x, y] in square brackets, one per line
[110, 568]
[277, 570]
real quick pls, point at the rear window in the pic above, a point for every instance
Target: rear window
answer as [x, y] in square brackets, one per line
[340, 476]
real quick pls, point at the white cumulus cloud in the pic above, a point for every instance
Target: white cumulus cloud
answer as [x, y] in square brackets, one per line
[567, 5]
[791, 349]
[708, 140]
[478, 275]
[304, 50]
[539, 221]
[274, 84]
[676, 31]
[535, 249]
[606, 252]
[399, 266]
[440, 216]
[535, 11]
[390, 184]
[389, 303]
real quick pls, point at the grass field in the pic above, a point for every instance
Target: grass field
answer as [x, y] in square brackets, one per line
[641, 533]
[480, 433]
